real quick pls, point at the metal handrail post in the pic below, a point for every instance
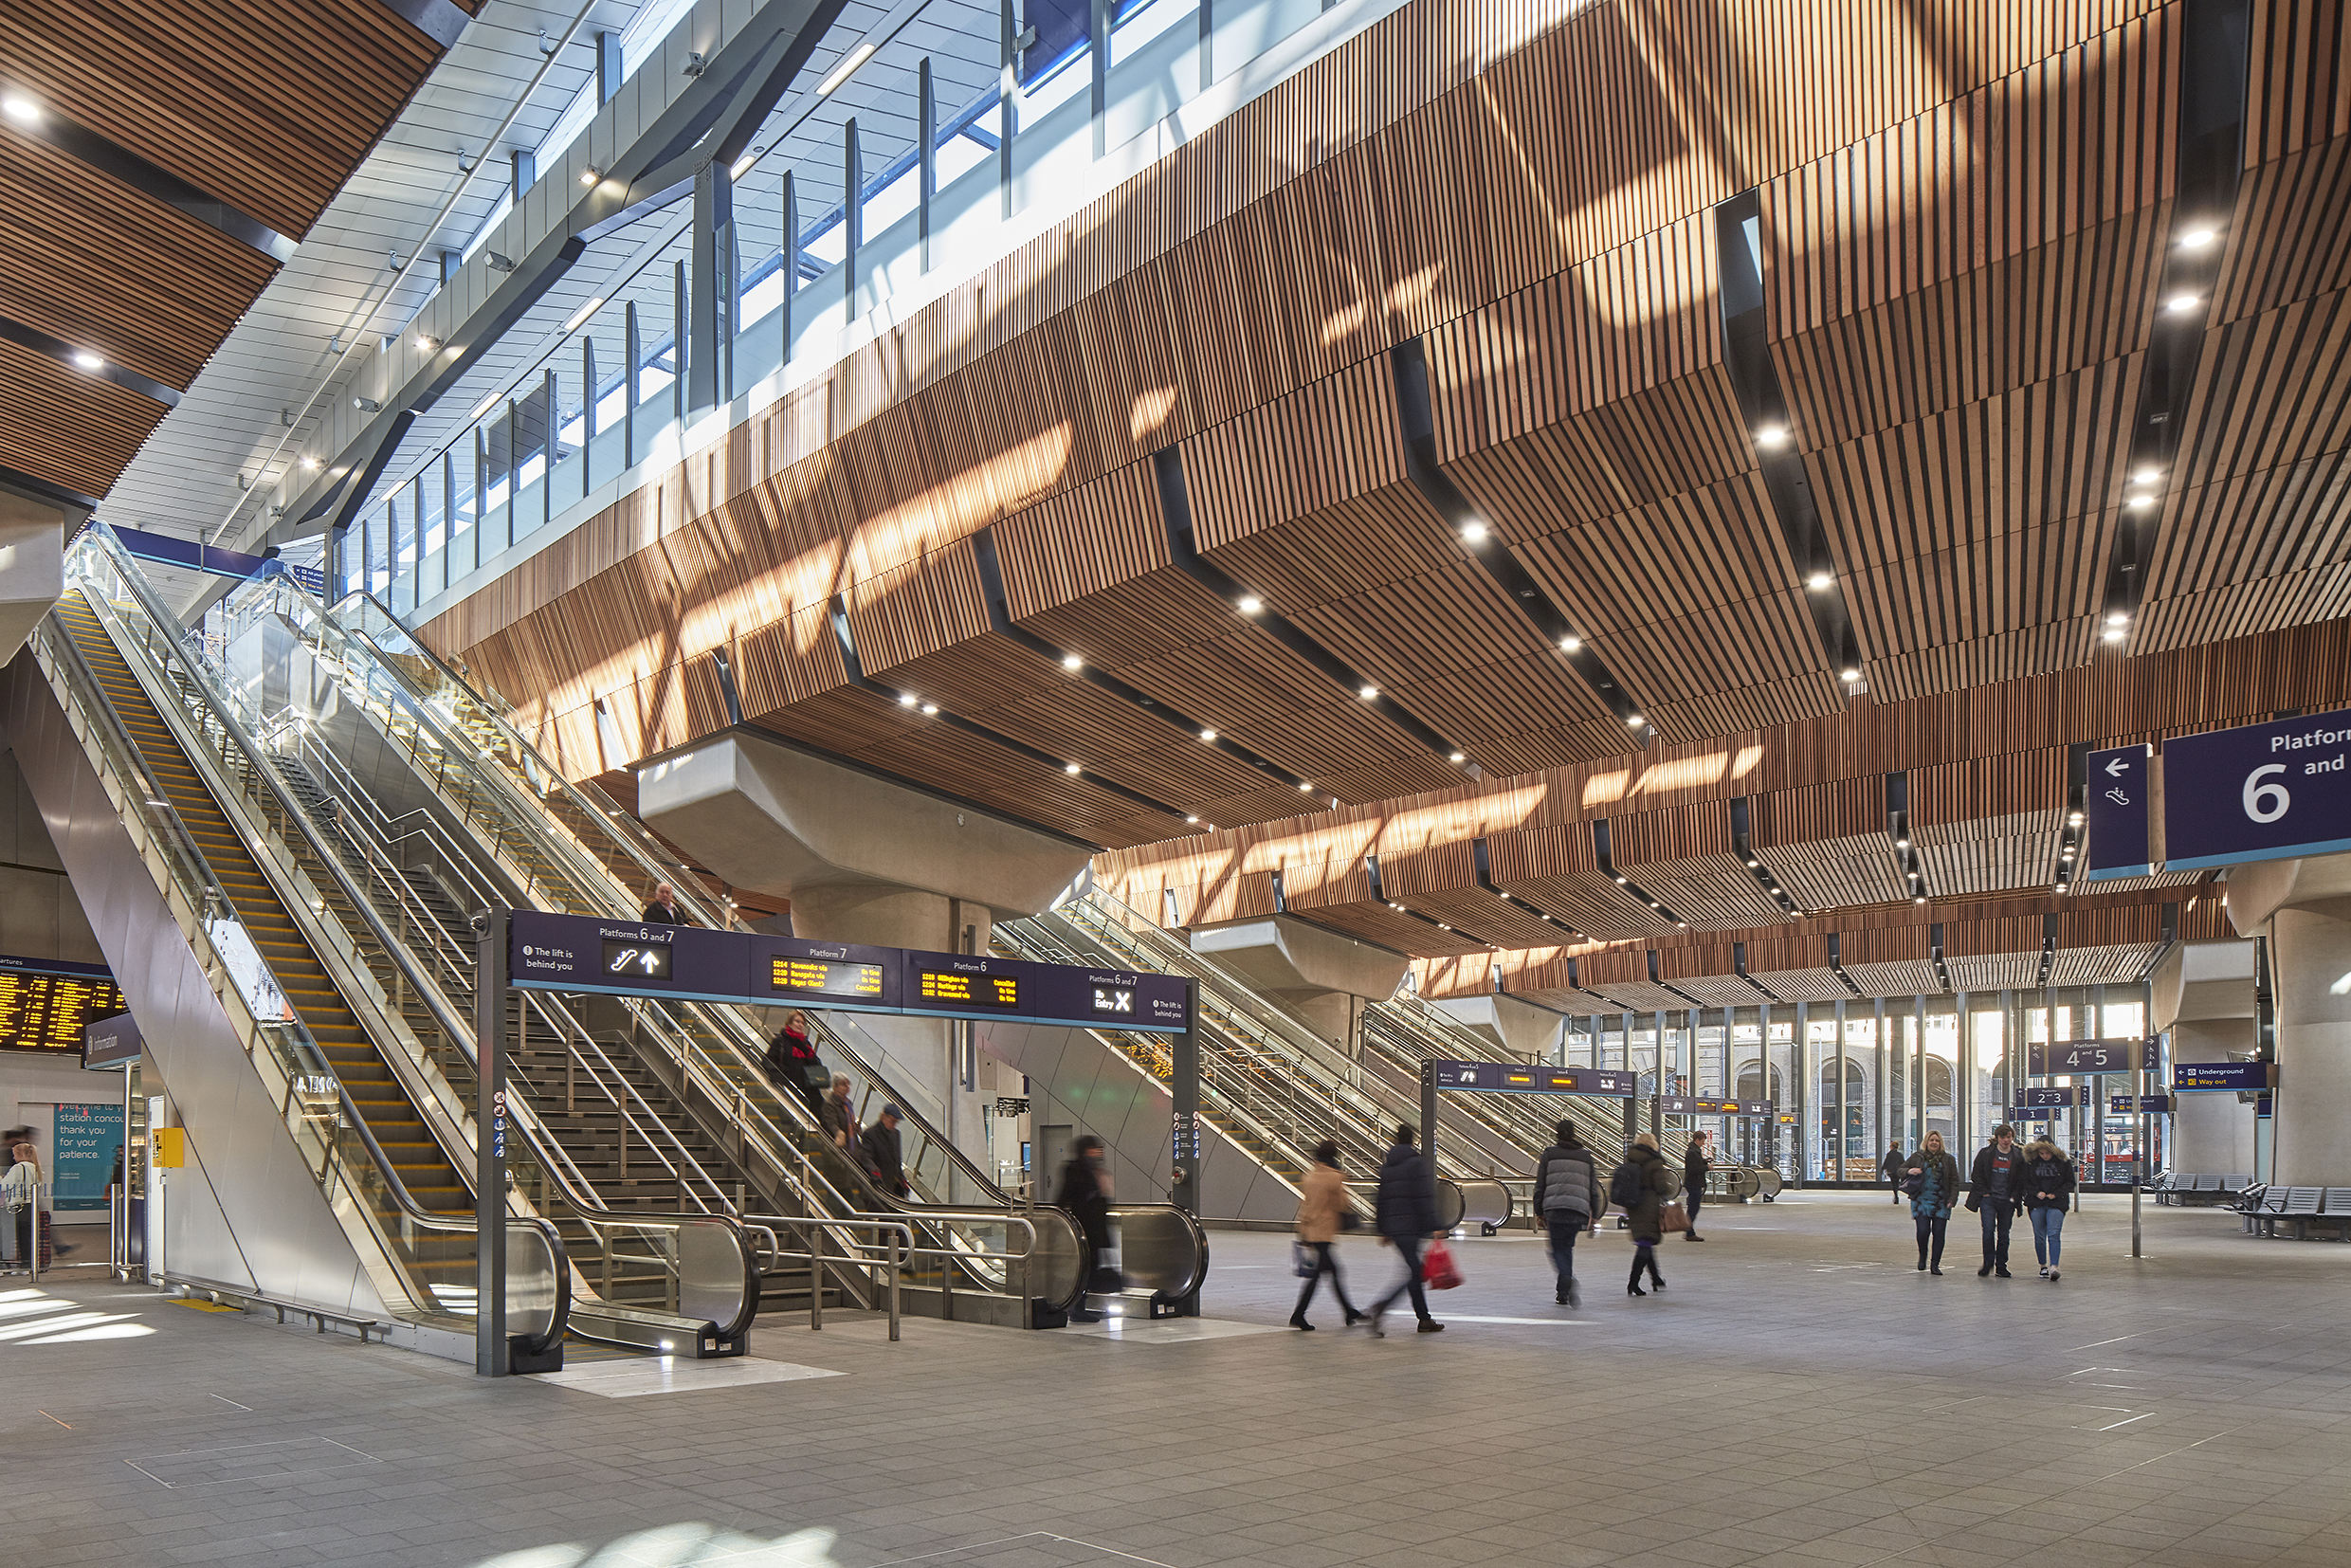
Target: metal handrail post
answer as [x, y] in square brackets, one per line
[895, 1262]
[817, 1275]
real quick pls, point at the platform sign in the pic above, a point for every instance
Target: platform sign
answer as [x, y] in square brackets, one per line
[2263, 791]
[2042, 1100]
[2236, 1077]
[2115, 807]
[836, 976]
[963, 985]
[1676, 1104]
[581, 953]
[1519, 1078]
[2132, 1104]
[2046, 1058]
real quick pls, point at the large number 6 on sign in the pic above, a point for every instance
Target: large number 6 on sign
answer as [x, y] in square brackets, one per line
[2265, 802]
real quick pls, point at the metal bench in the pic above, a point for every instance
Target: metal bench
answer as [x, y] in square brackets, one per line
[2301, 1206]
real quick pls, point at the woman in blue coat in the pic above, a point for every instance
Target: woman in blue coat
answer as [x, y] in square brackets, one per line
[1932, 1178]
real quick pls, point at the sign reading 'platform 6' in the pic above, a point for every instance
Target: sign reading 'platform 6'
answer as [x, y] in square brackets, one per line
[2263, 792]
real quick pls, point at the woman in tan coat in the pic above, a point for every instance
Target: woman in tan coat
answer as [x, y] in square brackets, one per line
[1323, 1200]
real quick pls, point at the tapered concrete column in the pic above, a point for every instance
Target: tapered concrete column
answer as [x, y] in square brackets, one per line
[2208, 1007]
[1311, 972]
[1519, 1030]
[2305, 906]
[864, 859]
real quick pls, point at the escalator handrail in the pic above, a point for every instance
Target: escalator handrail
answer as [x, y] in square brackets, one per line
[458, 1028]
[185, 847]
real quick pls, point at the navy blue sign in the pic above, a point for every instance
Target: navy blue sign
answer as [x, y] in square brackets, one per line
[2131, 1104]
[2056, 1099]
[837, 976]
[1518, 1078]
[2046, 1058]
[1676, 1104]
[2265, 792]
[573, 952]
[2115, 807]
[2188, 1076]
[962, 985]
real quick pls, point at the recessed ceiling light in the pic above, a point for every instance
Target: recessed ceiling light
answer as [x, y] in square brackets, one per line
[1368, 693]
[1849, 675]
[1571, 643]
[2118, 618]
[1305, 784]
[1473, 532]
[2196, 239]
[742, 165]
[2114, 634]
[1632, 722]
[1208, 734]
[88, 361]
[1460, 756]
[1071, 661]
[1251, 604]
[1819, 582]
[21, 109]
[847, 68]
[1442, 926]
[2075, 819]
[907, 698]
[2139, 503]
[587, 307]
[1771, 437]
[2147, 476]
[1620, 882]
[2179, 304]
[1921, 899]
[1500, 894]
[1191, 819]
[1069, 767]
[929, 708]
[1901, 843]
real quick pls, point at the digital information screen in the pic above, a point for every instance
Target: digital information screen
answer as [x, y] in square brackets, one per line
[636, 961]
[50, 1012]
[1517, 1078]
[996, 990]
[821, 978]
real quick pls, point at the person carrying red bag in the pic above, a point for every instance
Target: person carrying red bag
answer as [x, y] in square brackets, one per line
[1405, 1216]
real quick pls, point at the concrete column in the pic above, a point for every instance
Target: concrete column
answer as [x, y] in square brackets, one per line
[2211, 1132]
[2310, 954]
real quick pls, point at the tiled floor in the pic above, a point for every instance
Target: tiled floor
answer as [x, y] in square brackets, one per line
[1799, 1394]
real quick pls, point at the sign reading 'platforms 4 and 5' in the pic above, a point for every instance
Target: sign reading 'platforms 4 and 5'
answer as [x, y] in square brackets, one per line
[578, 953]
[2263, 792]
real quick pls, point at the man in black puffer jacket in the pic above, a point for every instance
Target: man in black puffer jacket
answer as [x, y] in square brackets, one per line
[1567, 1197]
[1406, 1216]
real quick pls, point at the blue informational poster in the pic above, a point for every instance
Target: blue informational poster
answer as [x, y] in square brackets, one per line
[83, 1162]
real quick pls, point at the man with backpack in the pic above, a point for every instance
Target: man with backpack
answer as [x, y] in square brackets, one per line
[1567, 1196]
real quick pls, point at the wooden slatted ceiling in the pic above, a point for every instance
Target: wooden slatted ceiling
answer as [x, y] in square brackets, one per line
[266, 108]
[68, 428]
[1828, 843]
[118, 272]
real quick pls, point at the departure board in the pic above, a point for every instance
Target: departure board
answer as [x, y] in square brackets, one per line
[49, 1012]
[947, 987]
[823, 977]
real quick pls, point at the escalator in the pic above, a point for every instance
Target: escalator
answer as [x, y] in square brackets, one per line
[646, 1100]
[356, 1008]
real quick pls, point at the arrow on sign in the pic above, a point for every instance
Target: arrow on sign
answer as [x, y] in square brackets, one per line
[2116, 767]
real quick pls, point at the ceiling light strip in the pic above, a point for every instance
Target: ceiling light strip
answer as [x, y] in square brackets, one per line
[1415, 408]
[1779, 444]
[126, 167]
[1479, 857]
[2211, 105]
[1000, 621]
[1608, 869]
[83, 361]
[1175, 503]
[858, 678]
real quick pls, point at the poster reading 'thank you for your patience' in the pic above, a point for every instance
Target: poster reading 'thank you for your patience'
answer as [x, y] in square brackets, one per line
[87, 1137]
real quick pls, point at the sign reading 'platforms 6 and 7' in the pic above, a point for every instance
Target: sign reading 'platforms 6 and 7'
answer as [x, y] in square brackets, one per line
[2263, 792]
[581, 953]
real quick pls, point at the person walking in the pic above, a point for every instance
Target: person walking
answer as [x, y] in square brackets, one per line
[661, 906]
[1995, 1190]
[884, 1154]
[1322, 1208]
[1567, 1196]
[21, 1187]
[1086, 1193]
[1933, 1178]
[1890, 1168]
[2048, 1182]
[1405, 1216]
[1694, 1168]
[1640, 1187]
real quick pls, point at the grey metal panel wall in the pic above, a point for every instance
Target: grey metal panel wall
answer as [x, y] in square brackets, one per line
[247, 1211]
[1076, 1078]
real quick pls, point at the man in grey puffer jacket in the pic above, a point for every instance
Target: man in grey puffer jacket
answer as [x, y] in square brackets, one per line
[1567, 1196]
